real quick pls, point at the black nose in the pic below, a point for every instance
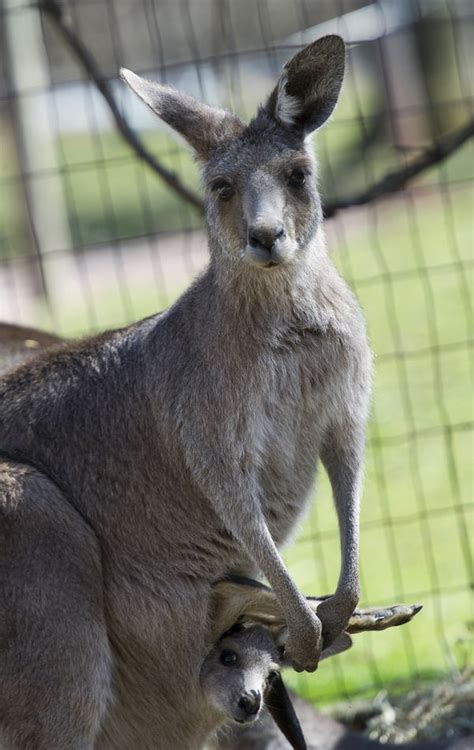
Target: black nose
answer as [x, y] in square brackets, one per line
[263, 236]
[250, 702]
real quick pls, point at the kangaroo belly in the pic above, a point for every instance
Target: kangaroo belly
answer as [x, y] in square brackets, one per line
[288, 478]
[294, 419]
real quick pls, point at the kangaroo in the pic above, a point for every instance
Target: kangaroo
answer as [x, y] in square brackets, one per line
[142, 465]
[240, 673]
[18, 344]
[237, 599]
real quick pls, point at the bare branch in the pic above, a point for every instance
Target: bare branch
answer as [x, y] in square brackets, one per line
[92, 69]
[398, 179]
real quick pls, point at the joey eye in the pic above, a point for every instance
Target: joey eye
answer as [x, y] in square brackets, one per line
[228, 658]
[224, 190]
[297, 178]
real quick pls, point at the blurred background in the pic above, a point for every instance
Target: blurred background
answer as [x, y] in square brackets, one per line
[92, 237]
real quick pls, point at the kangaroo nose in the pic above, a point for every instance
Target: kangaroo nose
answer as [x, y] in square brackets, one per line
[250, 702]
[265, 236]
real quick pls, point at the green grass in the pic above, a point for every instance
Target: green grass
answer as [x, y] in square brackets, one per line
[108, 193]
[123, 198]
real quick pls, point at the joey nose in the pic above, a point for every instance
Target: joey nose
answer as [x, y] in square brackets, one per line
[265, 236]
[250, 702]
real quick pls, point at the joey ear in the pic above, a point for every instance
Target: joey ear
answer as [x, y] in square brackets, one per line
[284, 715]
[309, 86]
[203, 127]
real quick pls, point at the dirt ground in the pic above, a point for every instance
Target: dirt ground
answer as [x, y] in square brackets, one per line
[441, 711]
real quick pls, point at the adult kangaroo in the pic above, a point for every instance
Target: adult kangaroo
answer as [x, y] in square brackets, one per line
[142, 465]
[19, 344]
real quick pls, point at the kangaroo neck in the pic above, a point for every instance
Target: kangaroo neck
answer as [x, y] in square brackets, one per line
[259, 301]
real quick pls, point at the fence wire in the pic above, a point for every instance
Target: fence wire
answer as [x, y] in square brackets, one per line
[92, 235]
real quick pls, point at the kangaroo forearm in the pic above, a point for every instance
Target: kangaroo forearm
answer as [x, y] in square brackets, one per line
[343, 458]
[304, 642]
[236, 598]
[247, 525]
[259, 545]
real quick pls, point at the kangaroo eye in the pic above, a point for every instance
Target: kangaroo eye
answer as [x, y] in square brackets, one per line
[224, 190]
[273, 676]
[297, 178]
[228, 657]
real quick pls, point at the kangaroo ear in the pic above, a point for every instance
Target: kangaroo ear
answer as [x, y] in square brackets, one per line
[284, 715]
[203, 127]
[309, 86]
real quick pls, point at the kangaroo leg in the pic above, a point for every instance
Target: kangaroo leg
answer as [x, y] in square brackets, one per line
[235, 500]
[304, 640]
[342, 456]
[54, 653]
[236, 598]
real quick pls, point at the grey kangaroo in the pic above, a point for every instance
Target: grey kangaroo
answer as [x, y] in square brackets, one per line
[142, 465]
[19, 344]
[241, 673]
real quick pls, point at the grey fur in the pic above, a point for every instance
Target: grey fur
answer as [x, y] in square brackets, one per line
[241, 600]
[225, 684]
[185, 446]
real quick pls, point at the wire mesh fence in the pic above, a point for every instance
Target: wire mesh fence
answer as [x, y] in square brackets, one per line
[92, 235]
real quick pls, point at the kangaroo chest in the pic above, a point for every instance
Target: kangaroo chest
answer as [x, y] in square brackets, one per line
[303, 388]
